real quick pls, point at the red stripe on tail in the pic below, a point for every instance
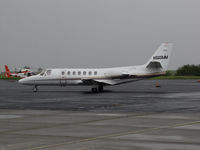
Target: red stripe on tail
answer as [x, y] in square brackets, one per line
[8, 73]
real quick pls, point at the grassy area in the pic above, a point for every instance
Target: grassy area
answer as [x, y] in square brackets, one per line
[177, 77]
[2, 77]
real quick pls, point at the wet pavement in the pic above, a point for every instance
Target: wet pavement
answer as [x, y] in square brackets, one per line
[132, 116]
[142, 96]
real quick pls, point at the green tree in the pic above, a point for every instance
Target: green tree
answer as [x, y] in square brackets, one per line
[168, 73]
[188, 70]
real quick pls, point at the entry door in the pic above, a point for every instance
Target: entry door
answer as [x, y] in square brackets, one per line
[63, 78]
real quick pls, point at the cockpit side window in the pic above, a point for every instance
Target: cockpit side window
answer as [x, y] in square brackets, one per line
[48, 72]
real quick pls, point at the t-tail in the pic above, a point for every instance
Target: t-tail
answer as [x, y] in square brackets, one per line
[8, 73]
[160, 59]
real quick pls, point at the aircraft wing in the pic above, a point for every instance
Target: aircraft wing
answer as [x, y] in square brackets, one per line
[97, 81]
[124, 75]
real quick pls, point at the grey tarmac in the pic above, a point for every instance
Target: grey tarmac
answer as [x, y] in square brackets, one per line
[132, 116]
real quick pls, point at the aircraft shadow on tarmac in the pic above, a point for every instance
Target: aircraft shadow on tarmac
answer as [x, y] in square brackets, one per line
[105, 91]
[124, 92]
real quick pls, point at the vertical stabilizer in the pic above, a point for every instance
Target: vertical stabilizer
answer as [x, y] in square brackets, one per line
[8, 73]
[161, 57]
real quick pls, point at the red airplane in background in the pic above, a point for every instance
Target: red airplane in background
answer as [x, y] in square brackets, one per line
[21, 74]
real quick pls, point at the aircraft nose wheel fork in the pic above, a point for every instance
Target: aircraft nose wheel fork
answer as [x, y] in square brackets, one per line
[35, 89]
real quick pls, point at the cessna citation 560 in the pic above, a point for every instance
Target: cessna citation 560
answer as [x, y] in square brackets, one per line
[98, 78]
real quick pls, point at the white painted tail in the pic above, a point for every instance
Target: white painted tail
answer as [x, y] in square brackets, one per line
[161, 57]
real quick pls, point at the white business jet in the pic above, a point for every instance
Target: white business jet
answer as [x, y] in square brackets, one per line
[98, 78]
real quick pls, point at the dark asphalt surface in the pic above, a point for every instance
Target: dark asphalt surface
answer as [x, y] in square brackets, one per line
[174, 96]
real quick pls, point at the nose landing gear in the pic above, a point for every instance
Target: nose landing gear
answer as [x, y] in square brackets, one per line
[35, 88]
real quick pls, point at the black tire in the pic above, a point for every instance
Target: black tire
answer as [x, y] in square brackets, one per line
[94, 90]
[35, 89]
[100, 88]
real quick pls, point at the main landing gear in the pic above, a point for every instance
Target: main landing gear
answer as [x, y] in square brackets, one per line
[35, 88]
[96, 89]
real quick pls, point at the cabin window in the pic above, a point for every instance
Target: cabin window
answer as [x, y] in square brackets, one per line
[48, 72]
[95, 73]
[90, 73]
[68, 73]
[84, 72]
[63, 72]
[79, 73]
[74, 72]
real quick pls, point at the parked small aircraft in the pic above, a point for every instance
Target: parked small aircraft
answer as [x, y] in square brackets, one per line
[21, 74]
[98, 78]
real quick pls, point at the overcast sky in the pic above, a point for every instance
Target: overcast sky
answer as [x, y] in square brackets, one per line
[97, 33]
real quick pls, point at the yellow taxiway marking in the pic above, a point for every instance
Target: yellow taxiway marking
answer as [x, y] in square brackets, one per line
[114, 135]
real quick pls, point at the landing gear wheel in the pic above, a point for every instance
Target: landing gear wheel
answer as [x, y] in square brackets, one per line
[94, 90]
[100, 88]
[35, 89]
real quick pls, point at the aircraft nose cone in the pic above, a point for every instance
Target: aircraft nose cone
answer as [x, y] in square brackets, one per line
[21, 81]
[26, 81]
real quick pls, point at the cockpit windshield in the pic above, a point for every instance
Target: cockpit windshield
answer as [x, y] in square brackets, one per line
[42, 73]
[46, 73]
